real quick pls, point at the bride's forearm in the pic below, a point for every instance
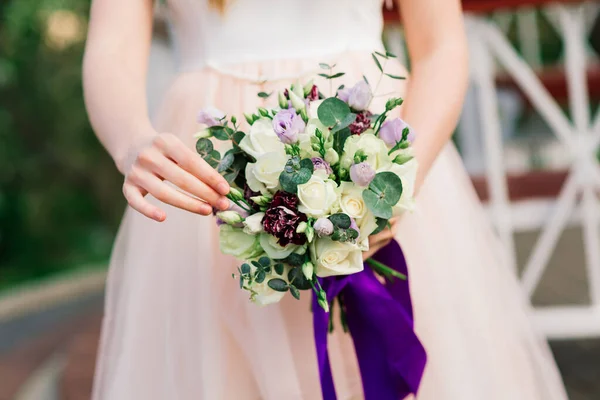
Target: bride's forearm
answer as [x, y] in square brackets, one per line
[434, 101]
[114, 75]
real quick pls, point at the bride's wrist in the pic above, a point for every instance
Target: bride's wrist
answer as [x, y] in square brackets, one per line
[138, 136]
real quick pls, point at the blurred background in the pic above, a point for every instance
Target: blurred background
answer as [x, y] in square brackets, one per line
[529, 136]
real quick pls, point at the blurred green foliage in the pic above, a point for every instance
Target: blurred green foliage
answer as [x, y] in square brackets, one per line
[60, 200]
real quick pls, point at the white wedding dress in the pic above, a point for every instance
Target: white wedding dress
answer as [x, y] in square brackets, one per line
[177, 327]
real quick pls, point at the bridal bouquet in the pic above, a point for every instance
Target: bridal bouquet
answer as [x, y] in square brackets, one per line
[311, 180]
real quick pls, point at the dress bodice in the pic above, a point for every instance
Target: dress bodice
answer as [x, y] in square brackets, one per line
[259, 30]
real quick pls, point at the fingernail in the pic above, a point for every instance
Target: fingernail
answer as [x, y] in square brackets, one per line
[223, 188]
[223, 204]
[159, 216]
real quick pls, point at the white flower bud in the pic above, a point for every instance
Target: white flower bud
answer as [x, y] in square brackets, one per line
[235, 194]
[261, 200]
[204, 133]
[308, 269]
[297, 90]
[230, 217]
[332, 157]
[301, 227]
[253, 224]
[310, 234]
[308, 87]
[297, 101]
[283, 102]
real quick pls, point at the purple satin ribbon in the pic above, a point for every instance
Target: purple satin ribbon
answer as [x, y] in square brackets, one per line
[390, 356]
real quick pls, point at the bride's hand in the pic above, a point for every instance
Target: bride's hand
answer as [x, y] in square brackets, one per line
[165, 158]
[381, 239]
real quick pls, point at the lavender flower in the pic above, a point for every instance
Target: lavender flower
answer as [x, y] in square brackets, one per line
[391, 131]
[210, 116]
[362, 173]
[323, 227]
[353, 225]
[287, 125]
[358, 97]
[319, 163]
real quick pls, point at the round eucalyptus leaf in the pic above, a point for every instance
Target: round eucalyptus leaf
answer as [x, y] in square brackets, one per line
[341, 220]
[226, 162]
[279, 269]
[204, 147]
[295, 292]
[297, 278]
[376, 205]
[245, 269]
[264, 261]
[332, 111]
[388, 187]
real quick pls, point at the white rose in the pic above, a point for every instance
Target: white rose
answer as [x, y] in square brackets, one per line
[408, 175]
[373, 147]
[366, 226]
[273, 249]
[317, 196]
[351, 200]
[313, 108]
[263, 175]
[335, 258]
[261, 139]
[235, 242]
[253, 224]
[262, 294]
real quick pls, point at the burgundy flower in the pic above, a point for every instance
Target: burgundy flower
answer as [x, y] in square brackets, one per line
[250, 193]
[282, 219]
[361, 124]
[286, 93]
[314, 93]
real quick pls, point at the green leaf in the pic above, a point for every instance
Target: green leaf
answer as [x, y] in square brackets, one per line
[326, 76]
[350, 118]
[221, 132]
[278, 285]
[395, 76]
[341, 220]
[352, 234]
[245, 269]
[241, 282]
[333, 111]
[264, 95]
[257, 265]
[376, 205]
[388, 186]
[231, 176]
[390, 55]
[340, 139]
[296, 172]
[279, 269]
[237, 138]
[297, 278]
[213, 158]
[377, 62]
[260, 276]
[204, 147]
[366, 80]
[381, 224]
[325, 66]
[295, 259]
[226, 162]
[295, 292]
[337, 235]
[264, 261]
[337, 75]
[381, 54]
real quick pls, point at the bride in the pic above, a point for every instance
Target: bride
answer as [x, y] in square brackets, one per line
[176, 325]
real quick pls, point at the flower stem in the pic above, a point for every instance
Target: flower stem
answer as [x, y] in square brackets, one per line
[384, 270]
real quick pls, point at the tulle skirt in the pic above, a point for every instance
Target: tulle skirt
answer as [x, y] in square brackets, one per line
[177, 326]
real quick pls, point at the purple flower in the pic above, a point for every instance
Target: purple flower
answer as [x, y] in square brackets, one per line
[391, 131]
[319, 163]
[282, 219]
[361, 123]
[323, 227]
[287, 125]
[358, 97]
[353, 225]
[210, 116]
[362, 173]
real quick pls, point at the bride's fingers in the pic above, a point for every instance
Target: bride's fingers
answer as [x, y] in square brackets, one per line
[168, 170]
[385, 235]
[191, 162]
[167, 194]
[135, 197]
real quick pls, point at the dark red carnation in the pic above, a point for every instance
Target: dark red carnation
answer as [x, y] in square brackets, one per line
[361, 124]
[282, 219]
[314, 93]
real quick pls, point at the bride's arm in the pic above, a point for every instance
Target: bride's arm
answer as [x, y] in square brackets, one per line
[114, 79]
[438, 52]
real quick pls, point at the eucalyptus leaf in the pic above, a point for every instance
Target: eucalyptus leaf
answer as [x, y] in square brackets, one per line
[350, 118]
[381, 54]
[260, 276]
[256, 264]
[278, 285]
[237, 138]
[204, 147]
[376, 205]
[295, 292]
[296, 277]
[264, 95]
[264, 261]
[241, 282]
[279, 269]
[213, 158]
[339, 74]
[390, 55]
[324, 66]
[221, 132]
[230, 177]
[333, 111]
[388, 186]
[245, 269]
[341, 220]
[340, 139]
[226, 162]
[381, 224]
[352, 234]
[295, 259]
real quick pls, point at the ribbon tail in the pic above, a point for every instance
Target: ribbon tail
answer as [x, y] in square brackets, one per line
[320, 328]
